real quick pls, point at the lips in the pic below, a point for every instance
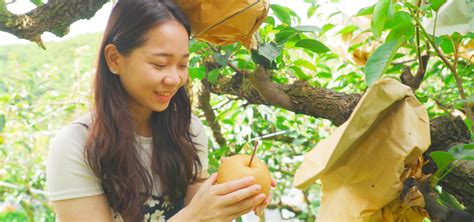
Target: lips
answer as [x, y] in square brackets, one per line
[164, 93]
[163, 96]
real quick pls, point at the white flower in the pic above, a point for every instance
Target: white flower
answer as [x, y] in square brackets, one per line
[152, 202]
[147, 217]
[157, 216]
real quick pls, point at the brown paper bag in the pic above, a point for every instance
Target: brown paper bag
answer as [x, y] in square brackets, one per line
[361, 164]
[223, 22]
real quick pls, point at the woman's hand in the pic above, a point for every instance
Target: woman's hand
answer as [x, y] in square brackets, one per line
[226, 201]
[259, 209]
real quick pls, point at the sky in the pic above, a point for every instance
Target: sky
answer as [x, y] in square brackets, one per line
[98, 21]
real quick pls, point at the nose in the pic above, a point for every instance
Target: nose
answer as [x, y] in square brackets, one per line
[172, 78]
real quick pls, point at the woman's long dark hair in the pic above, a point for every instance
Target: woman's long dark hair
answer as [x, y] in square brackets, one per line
[111, 148]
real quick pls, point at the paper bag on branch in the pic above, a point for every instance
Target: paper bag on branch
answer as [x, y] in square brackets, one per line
[363, 163]
[223, 22]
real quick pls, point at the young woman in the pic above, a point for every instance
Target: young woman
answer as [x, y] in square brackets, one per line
[140, 154]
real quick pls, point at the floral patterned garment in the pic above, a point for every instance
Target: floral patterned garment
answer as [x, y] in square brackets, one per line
[160, 209]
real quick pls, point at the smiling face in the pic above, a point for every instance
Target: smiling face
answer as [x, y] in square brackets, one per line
[152, 73]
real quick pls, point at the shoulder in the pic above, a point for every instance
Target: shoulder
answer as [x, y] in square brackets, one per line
[196, 125]
[67, 173]
[69, 141]
[198, 132]
[74, 134]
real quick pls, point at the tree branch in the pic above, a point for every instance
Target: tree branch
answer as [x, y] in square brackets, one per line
[55, 16]
[298, 97]
[290, 208]
[204, 104]
[452, 67]
[407, 77]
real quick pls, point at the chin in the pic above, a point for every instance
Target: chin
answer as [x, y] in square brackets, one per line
[160, 108]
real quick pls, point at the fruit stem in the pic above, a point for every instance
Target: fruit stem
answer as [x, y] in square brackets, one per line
[255, 143]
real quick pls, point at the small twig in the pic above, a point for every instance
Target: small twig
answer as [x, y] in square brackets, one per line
[443, 106]
[281, 206]
[417, 36]
[204, 102]
[451, 67]
[308, 205]
[255, 144]
[232, 66]
[403, 62]
[18, 187]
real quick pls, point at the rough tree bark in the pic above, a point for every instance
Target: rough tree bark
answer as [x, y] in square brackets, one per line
[55, 16]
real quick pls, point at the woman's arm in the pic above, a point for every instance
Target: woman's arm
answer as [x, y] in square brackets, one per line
[221, 202]
[193, 188]
[92, 208]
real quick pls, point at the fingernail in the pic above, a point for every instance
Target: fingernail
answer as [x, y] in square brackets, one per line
[257, 187]
[261, 196]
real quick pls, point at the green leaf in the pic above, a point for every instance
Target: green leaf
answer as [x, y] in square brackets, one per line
[445, 43]
[313, 45]
[269, 51]
[468, 100]
[406, 29]
[222, 59]
[325, 75]
[265, 55]
[450, 201]
[270, 20]
[195, 45]
[366, 11]
[300, 73]
[436, 4]
[307, 28]
[442, 159]
[306, 64]
[399, 17]
[212, 75]
[2, 122]
[379, 61]
[312, 9]
[3, 7]
[383, 10]
[463, 151]
[197, 72]
[37, 2]
[282, 13]
[326, 28]
[347, 29]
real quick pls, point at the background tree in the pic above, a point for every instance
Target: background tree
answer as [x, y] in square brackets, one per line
[301, 83]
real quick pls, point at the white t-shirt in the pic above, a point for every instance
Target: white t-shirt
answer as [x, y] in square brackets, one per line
[69, 176]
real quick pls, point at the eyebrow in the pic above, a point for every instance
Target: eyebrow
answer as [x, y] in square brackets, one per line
[164, 54]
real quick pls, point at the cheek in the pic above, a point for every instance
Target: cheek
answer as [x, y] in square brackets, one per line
[138, 79]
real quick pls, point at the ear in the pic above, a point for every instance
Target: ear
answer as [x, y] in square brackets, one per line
[112, 57]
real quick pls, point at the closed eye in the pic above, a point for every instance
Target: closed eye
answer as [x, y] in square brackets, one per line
[159, 66]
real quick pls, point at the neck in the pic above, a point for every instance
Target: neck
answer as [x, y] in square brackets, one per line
[141, 117]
